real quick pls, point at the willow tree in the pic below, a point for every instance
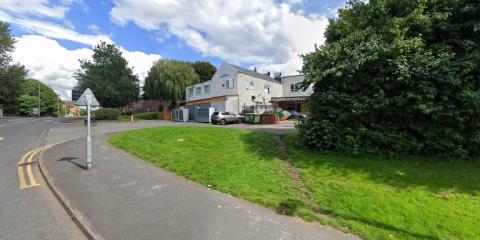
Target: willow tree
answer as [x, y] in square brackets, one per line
[167, 80]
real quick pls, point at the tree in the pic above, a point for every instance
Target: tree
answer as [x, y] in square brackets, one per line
[167, 80]
[49, 100]
[108, 76]
[397, 77]
[205, 70]
[11, 75]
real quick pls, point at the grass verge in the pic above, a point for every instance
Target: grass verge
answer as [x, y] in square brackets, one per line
[374, 197]
[239, 162]
[393, 198]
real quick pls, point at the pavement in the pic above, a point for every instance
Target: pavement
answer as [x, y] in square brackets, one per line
[123, 197]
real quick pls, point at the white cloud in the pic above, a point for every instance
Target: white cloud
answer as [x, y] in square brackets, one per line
[255, 32]
[56, 31]
[54, 65]
[41, 8]
[22, 14]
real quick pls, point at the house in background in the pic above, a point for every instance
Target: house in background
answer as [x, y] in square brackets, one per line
[142, 106]
[235, 89]
[293, 96]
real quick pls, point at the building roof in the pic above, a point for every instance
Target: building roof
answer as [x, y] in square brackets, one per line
[253, 73]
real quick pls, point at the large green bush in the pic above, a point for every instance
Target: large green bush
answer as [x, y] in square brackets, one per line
[107, 114]
[397, 77]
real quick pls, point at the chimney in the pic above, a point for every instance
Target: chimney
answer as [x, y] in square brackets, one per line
[255, 69]
[277, 75]
[268, 73]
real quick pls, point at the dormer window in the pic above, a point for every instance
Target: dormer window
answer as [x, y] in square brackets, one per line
[206, 89]
[198, 91]
[190, 91]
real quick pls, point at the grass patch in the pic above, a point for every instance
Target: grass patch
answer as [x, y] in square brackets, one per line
[393, 198]
[239, 162]
[140, 116]
[374, 197]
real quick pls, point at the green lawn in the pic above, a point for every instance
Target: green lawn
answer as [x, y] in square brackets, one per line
[374, 197]
[140, 116]
[394, 198]
[239, 162]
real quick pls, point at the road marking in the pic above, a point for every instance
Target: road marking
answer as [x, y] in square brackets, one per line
[2, 125]
[26, 160]
[1, 138]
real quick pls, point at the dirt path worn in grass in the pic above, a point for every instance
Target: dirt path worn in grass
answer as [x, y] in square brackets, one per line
[305, 194]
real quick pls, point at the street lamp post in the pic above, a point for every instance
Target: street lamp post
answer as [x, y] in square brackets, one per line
[39, 99]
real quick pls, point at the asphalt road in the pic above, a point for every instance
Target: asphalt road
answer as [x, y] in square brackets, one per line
[33, 212]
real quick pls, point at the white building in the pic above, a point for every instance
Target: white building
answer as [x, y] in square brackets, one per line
[235, 89]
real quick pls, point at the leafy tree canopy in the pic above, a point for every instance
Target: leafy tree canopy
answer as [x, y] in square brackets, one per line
[11, 75]
[205, 70]
[167, 80]
[108, 76]
[49, 100]
[397, 77]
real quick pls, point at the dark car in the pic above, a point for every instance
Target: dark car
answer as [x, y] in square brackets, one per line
[296, 115]
[224, 118]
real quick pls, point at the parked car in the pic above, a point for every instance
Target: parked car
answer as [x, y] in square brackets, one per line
[225, 118]
[296, 115]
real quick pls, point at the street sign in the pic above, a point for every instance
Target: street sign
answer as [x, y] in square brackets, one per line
[89, 100]
[76, 95]
[35, 111]
[86, 96]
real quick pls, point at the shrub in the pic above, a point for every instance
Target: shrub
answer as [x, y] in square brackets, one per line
[107, 114]
[146, 116]
[397, 79]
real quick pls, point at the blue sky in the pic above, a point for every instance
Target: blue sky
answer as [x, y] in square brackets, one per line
[269, 34]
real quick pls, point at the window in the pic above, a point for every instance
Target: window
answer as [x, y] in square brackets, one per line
[294, 87]
[206, 89]
[190, 91]
[266, 88]
[229, 84]
[250, 85]
[198, 91]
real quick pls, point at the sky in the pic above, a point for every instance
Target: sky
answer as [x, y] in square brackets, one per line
[52, 35]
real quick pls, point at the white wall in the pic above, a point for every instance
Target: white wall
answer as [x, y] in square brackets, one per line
[217, 85]
[245, 95]
[287, 81]
[231, 104]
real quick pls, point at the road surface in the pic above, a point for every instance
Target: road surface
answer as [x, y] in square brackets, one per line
[31, 212]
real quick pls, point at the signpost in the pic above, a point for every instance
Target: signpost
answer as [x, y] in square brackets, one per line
[89, 100]
[36, 111]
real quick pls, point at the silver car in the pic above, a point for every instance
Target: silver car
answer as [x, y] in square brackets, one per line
[224, 118]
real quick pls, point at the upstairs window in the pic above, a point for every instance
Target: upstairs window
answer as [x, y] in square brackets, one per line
[250, 85]
[198, 91]
[294, 87]
[266, 89]
[206, 89]
[229, 84]
[190, 91]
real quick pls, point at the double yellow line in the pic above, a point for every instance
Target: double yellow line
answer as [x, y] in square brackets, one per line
[26, 160]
